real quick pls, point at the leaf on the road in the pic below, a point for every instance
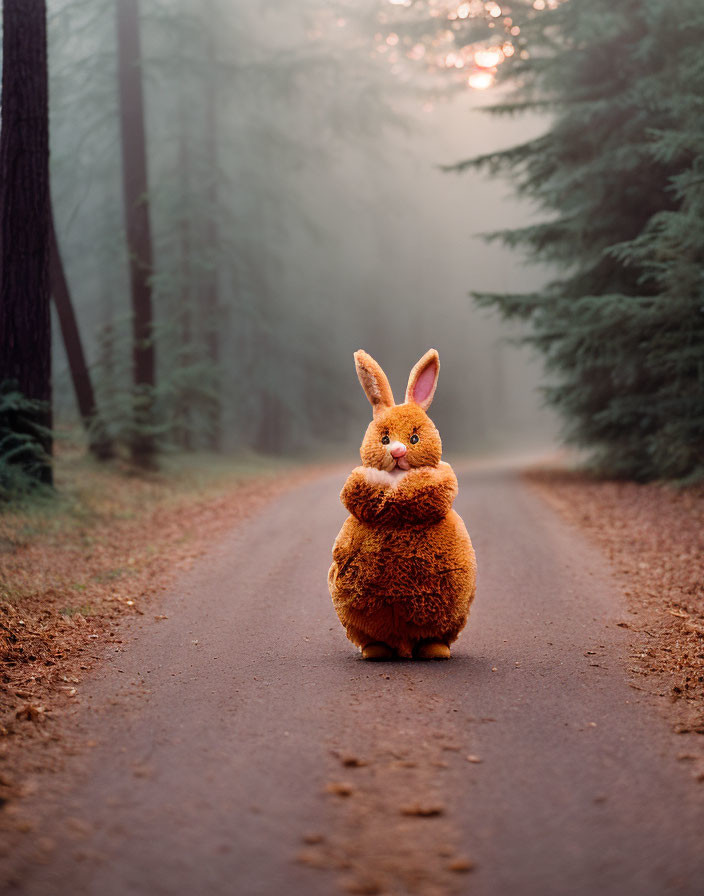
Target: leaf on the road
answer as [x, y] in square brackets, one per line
[312, 838]
[461, 864]
[474, 758]
[30, 712]
[314, 859]
[694, 727]
[339, 788]
[362, 887]
[423, 810]
[350, 761]
[680, 613]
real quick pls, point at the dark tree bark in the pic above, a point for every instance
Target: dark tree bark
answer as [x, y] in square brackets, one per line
[139, 240]
[184, 431]
[185, 435]
[98, 439]
[210, 293]
[25, 323]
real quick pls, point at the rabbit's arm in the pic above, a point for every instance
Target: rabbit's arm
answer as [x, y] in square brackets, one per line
[421, 495]
[425, 494]
[367, 495]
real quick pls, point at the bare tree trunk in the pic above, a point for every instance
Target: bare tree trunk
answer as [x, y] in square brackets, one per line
[139, 240]
[98, 439]
[185, 432]
[210, 295]
[25, 322]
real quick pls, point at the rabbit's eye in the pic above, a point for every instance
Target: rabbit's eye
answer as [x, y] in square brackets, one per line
[385, 440]
[415, 438]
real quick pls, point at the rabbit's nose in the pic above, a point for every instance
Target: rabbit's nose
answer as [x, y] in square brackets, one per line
[397, 449]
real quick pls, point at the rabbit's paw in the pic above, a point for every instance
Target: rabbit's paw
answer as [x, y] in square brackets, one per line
[377, 651]
[432, 650]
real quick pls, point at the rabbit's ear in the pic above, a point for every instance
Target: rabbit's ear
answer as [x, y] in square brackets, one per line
[374, 382]
[423, 380]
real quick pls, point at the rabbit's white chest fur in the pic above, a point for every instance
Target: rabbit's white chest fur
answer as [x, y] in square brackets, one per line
[381, 477]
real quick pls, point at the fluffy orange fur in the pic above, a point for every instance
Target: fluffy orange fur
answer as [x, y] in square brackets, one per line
[403, 573]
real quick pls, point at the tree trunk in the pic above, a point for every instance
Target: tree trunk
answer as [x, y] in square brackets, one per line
[184, 430]
[210, 294]
[139, 241]
[25, 322]
[98, 439]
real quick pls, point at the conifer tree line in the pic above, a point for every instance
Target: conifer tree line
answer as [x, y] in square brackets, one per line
[619, 179]
[172, 317]
[144, 76]
[242, 264]
[185, 248]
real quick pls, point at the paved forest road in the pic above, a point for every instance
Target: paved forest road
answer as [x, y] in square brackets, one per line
[243, 748]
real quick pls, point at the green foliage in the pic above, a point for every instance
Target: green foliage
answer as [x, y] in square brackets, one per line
[22, 455]
[620, 172]
[186, 388]
[230, 118]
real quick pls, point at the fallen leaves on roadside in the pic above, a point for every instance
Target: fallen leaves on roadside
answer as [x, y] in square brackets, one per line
[30, 712]
[70, 570]
[653, 537]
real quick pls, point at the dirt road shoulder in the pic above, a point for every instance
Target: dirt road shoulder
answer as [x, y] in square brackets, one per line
[653, 537]
[74, 567]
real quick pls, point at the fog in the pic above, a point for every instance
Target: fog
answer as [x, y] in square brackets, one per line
[297, 178]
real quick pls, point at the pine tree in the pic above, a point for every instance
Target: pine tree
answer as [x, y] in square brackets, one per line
[619, 171]
[137, 226]
[98, 439]
[670, 252]
[25, 325]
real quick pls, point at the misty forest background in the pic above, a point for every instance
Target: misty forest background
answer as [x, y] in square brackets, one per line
[299, 210]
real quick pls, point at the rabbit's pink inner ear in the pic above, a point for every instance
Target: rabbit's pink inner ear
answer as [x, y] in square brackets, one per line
[425, 384]
[423, 380]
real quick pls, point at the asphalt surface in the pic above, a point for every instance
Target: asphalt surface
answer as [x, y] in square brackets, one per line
[240, 746]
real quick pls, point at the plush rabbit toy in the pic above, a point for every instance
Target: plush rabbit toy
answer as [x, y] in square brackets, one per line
[403, 573]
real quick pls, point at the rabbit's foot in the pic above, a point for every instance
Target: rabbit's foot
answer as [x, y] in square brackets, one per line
[432, 650]
[377, 651]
